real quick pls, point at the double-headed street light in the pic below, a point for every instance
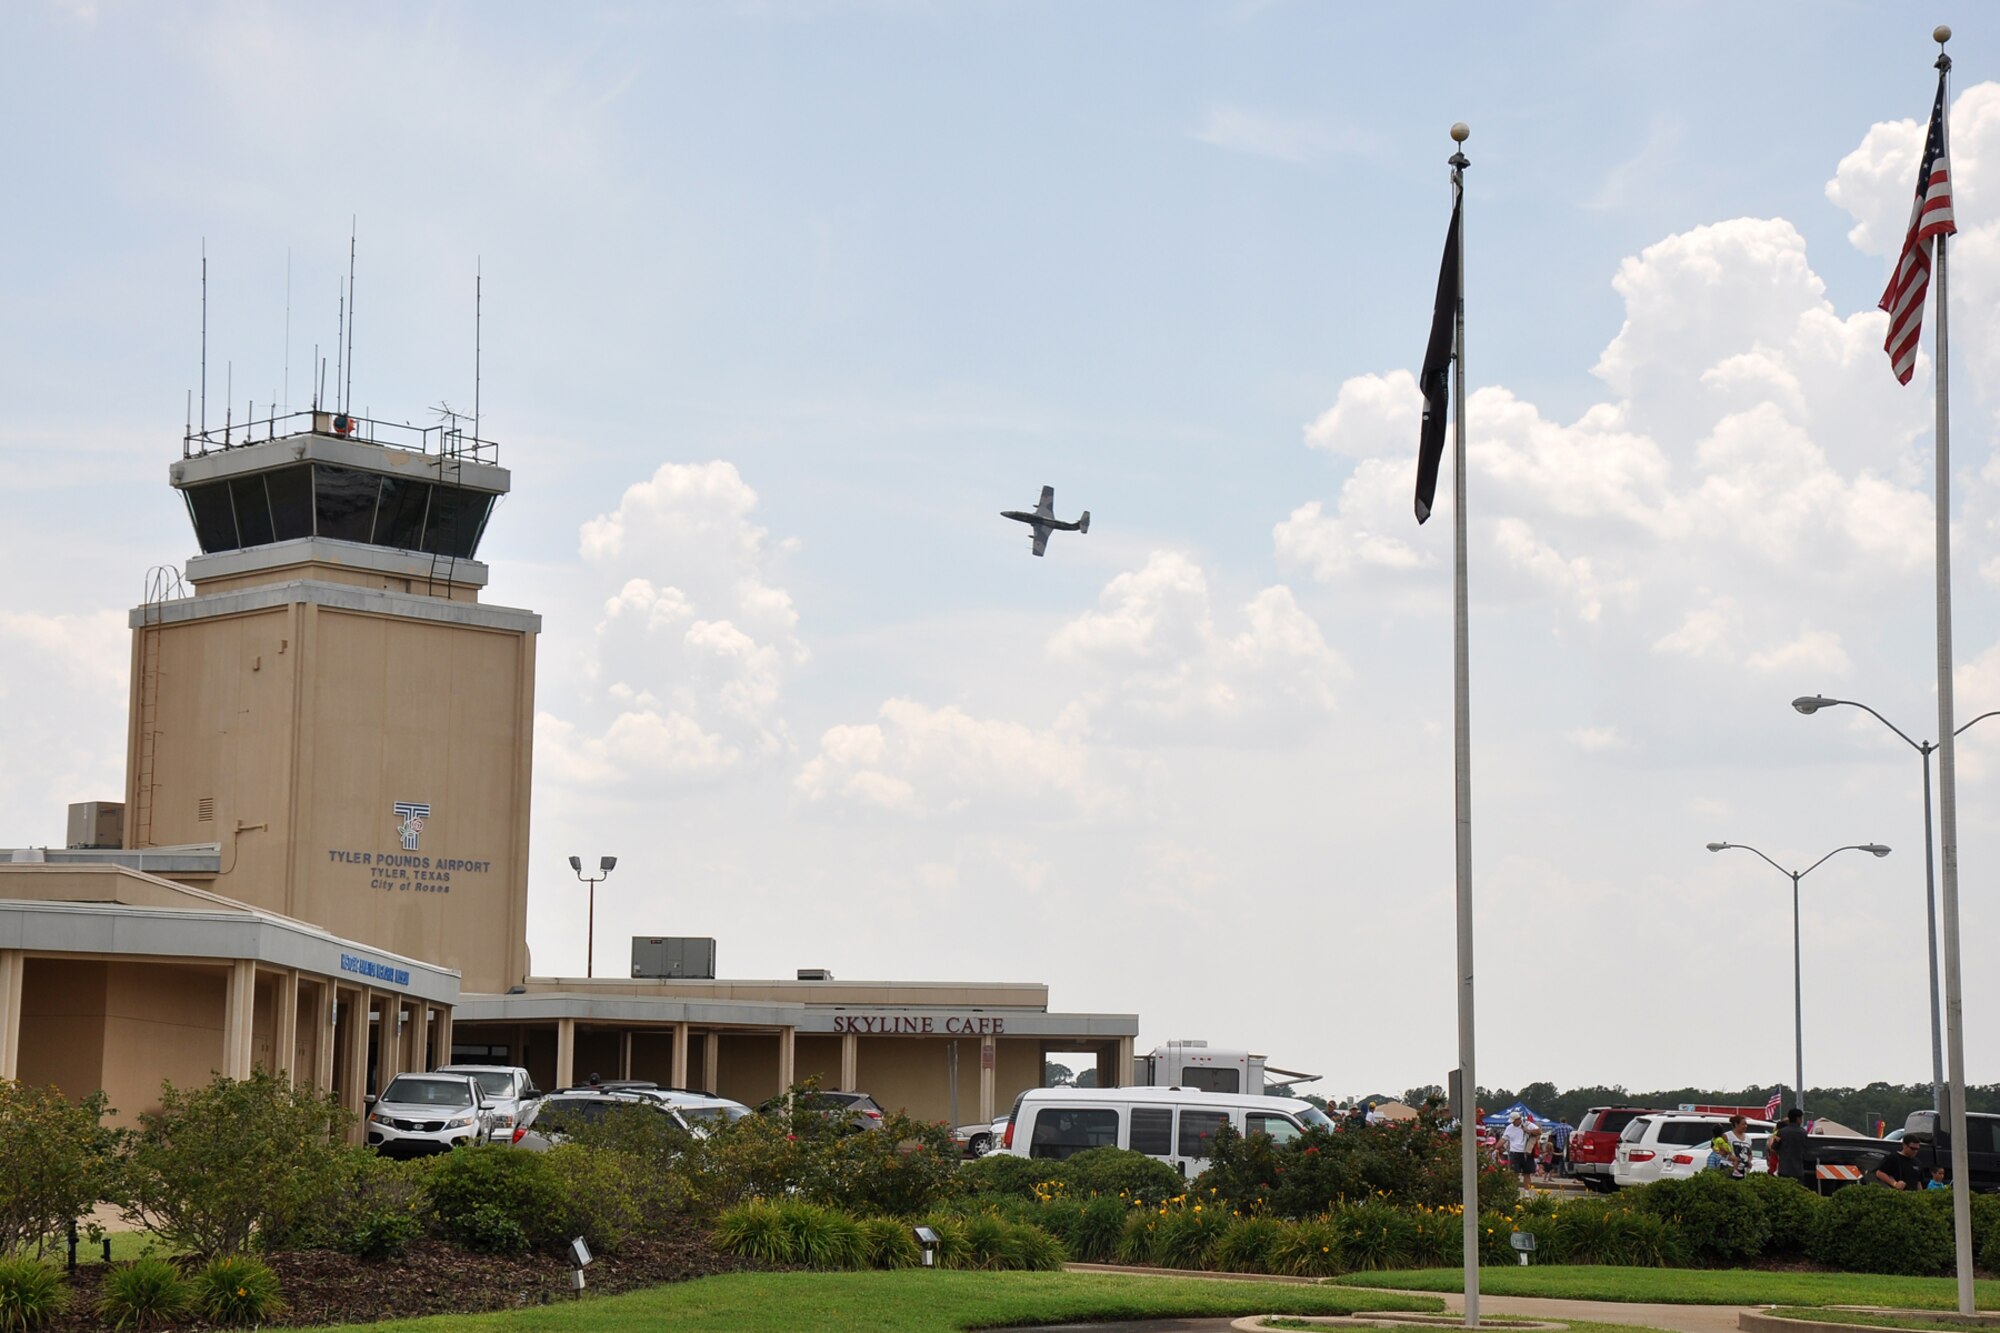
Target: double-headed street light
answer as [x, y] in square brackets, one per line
[605, 865]
[1798, 993]
[1812, 703]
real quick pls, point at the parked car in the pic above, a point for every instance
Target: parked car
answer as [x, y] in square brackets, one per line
[508, 1089]
[1982, 1140]
[1649, 1141]
[555, 1117]
[1593, 1145]
[860, 1110]
[426, 1113]
[1174, 1125]
[1692, 1161]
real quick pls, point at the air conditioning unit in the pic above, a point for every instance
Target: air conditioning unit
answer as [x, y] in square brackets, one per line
[670, 957]
[815, 974]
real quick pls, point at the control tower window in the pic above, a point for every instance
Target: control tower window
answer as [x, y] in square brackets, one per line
[290, 493]
[457, 519]
[344, 500]
[399, 521]
[213, 515]
[253, 510]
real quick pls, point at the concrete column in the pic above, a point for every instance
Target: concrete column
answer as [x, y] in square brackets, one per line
[360, 1002]
[323, 1038]
[444, 1035]
[850, 1062]
[565, 1052]
[239, 1014]
[680, 1070]
[787, 1061]
[13, 963]
[1121, 1072]
[989, 1056]
[285, 1025]
[420, 1038]
[388, 1040]
[711, 1059]
[625, 1054]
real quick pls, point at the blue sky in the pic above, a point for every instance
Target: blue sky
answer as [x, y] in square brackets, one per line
[787, 300]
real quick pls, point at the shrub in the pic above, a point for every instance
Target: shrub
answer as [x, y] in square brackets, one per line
[146, 1293]
[1116, 1171]
[1437, 1236]
[1988, 1242]
[1790, 1211]
[237, 1290]
[1374, 1234]
[367, 1205]
[822, 1237]
[1098, 1228]
[1873, 1229]
[599, 1201]
[989, 1242]
[31, 1293]
[1720, 1220]
[1247, 1245]
[891, 1243]
[1004, 1173]
[218, 1168]
[1187, 1235]
[904, 1168]
[1412, 1163]
[57, 1159]
[1308, 1249]
[754, 1231]
[1137, 1241]
[1038, 1251]
[497, 1200]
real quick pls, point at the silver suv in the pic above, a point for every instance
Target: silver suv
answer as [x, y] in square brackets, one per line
[508, 1089]
[425, 1113]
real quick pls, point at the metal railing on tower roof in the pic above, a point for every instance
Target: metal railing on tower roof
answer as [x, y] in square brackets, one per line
[447, 439]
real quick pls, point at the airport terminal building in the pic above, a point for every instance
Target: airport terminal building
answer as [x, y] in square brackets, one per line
[320, 863]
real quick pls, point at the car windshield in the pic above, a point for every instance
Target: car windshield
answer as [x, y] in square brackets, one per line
[1312, 1117]
[428, 1092]
[493, 1082]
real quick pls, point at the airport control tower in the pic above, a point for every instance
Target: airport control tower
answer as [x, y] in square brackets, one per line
[334, 705]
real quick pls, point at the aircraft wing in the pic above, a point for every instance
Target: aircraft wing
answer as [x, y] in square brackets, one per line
[1047, 507]
[1041, 539]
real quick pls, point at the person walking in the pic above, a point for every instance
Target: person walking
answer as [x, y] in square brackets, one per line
[1738, 1139]
[1788, 1147]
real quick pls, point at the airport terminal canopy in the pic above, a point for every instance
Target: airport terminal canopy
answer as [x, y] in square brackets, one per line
[333, 477]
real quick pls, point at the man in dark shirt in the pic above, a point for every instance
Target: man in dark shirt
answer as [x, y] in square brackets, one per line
[1899, 1169]
[1790, 1141]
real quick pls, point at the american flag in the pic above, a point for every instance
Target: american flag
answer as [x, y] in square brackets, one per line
[1930, 217]
[1771, 1107]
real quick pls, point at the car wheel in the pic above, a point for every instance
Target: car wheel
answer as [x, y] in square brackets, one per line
[980, 1145]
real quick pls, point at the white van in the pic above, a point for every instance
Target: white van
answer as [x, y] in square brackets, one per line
[1176, 1125]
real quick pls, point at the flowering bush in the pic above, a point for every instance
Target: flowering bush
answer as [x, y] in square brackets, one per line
[1411, 1163]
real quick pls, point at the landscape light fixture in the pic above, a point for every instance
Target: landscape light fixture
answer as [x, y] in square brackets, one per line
[928, 1240]
[1812, 703]
[1875, 849]
[605, 865]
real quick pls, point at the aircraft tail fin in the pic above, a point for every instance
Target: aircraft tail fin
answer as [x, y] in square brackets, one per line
[1083, 524]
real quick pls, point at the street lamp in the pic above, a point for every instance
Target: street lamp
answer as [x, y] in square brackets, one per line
[605, 865]
[1798, 993]
[1812, 703]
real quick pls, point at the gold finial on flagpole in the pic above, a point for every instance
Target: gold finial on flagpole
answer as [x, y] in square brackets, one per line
[1462, 131]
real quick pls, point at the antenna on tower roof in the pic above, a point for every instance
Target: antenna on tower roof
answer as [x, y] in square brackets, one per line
[288, 334]
[477, 296]
[339, 340]
[204, 335]
[347, 392]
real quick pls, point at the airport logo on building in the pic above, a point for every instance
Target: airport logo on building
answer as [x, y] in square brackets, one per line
[410, 817]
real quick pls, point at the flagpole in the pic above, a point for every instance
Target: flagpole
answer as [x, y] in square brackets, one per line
[1954, 1009]
[1468, 1131]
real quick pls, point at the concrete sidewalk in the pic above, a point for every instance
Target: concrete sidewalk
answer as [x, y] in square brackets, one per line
[1679, 1318]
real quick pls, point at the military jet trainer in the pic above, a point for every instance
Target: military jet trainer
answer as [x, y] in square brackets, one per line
[1044, 520]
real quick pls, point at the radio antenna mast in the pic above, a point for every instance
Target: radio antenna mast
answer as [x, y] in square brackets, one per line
[347, 393]
[288, 333]
[339, 340]
[204, 335]
[477, 295]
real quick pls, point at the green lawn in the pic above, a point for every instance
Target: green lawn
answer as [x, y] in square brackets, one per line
[1872, 1320]
[1689, 1286]
[907, 1301]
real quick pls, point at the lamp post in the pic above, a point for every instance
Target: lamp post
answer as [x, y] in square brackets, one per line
[605, 865]
[1798, 992]
[1812, 703]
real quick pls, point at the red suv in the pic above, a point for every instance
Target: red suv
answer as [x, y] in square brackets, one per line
[1594, 1144]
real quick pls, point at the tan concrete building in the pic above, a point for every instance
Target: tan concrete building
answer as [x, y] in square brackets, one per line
[320, 866]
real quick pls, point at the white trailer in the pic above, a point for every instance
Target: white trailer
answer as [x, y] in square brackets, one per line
[1205, 1068]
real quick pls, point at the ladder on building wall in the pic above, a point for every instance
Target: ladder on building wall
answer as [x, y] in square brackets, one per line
[163, 583]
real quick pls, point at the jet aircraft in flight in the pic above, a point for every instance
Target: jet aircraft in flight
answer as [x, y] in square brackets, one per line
[1044, 520]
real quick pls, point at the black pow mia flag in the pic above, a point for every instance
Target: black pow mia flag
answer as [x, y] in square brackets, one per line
[1435, 378]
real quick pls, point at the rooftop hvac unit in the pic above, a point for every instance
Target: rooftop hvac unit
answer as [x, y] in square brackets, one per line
[815, 974]
[673, 956]
[97, 824]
